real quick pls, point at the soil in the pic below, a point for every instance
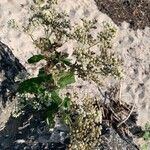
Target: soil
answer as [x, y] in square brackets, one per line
[135, 12]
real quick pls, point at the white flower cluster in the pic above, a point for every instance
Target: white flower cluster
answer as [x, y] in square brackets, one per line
[91, 65]
[86, 130]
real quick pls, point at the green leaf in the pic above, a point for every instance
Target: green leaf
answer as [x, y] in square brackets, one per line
[55, 97]
[42, 72]
[65, 79]
[146, 136]
[50, 120]
[67, 119]
[34, 85]
[35, 58]
[66, 102]
[147, 126]
[51, 112]
[66, 61]
[144, 147]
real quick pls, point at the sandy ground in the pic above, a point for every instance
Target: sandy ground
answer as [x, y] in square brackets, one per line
[18, 41]
[132, 46]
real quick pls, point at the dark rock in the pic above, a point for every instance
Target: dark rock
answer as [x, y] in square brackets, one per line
[113, 139]
[36, 136]
[9, 69]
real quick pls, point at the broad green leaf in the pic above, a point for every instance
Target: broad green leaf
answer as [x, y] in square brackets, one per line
[55, 97]
[34, 85]
[65, 79]
[35, 58]
[66, 102]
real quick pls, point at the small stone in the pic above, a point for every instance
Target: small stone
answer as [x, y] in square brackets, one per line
[20, 141]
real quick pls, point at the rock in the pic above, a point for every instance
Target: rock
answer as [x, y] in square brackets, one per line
[36, 135]
[60, 133]
[112, 139]
[9, 69]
